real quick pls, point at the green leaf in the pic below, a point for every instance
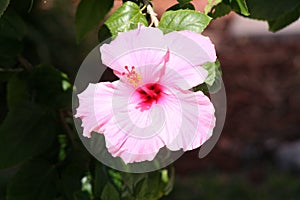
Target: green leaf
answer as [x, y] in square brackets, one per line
[71, 177]
[284, 20]
[82, 195]
[126, 18]
[240, 6]
[12, 31]
[184, 1]
[103, 33]
[12, 26]
[220, 10]
[212, 69]
[35, 180]
[5, 177]
[17, 92]
[183, 20]
[110, 192]
[47, 84]
[279, 15]
[6, 74]
[3, 6]
[101, 178]
[89, 14]
[27, 131]
[210, 5]
[182, 6]
[10, 49]
[214, 78]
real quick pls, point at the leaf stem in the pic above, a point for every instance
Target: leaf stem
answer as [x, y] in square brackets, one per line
[66, 127]
[25, 63]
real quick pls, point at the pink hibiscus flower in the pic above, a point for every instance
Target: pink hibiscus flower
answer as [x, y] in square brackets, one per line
[151, 106]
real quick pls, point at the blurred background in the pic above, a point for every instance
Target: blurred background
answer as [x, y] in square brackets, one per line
[258, 153]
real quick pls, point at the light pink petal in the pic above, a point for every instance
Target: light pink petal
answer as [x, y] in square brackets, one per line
[132, 134]
[137, 135]
[193, 47]
[140, 47]
[197, 123]
[182, 74]
[95, 106]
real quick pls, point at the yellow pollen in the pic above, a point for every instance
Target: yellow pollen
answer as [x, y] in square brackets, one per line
[133, 77]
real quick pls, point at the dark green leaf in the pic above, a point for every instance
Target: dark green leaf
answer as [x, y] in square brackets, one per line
[9, 51]
[284, 20]
[184, 1]
[12, 26]
[47, 85]
[182, 6]
[103, 33]
[6, 74]
[3, 6]
[183, 20]
[5, 177]
[240, 6]
[35, 180]
[71, 179]
[126, 18]
[27, 131]
[12, 30]
[17, 92]
[277, 12]
[220, 10]
[110, 192]
[89, 14]
[81, 195]
[101, 178]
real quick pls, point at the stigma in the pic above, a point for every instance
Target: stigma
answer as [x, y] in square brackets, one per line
[133, 77]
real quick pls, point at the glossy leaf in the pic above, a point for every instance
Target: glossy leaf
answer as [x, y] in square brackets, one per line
[183, 20]
[35, 180]
[27, 131]
[89, 14]
[126, 18]
[3, 6]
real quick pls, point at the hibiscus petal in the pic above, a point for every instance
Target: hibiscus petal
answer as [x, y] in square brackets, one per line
[140, 47]
[193, 47]
[188, 51]
[179, 73]
[95, 106]
[197, 121]
[134, 135]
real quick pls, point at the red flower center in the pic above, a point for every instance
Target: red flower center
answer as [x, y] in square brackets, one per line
[149, 94]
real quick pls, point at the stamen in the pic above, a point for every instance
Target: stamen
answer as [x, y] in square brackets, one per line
[132, 76]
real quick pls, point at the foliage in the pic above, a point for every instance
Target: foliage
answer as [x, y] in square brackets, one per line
[41, 156]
